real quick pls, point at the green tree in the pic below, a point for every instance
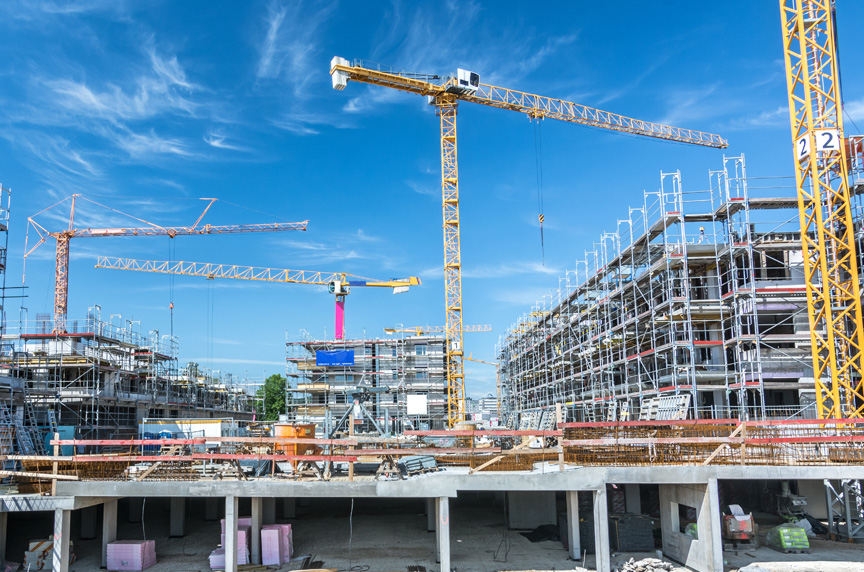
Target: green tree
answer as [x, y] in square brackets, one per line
[272, 397]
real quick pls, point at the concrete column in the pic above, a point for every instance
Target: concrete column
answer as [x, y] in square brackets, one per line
[255, 553]
[231, 510]
[268, 510]
[715, 525]
[289, 507]
[178, 517]
[633, 499]
[136, 508]
[573, 540]
[431, 515]
[4, 525]
[62, 534]
[442, 506]
[211, 508]
[603, 562]
[87, 530]
[109, 528]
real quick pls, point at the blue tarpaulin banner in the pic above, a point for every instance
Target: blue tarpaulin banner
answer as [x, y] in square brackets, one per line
[334, 357]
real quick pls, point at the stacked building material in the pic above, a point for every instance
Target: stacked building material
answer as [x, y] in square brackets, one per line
[244, 536]
[131, 554]
[277, 544]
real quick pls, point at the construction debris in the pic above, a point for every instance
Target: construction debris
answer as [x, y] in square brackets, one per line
[646, 565]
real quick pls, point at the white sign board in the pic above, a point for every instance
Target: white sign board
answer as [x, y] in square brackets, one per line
[417, 405]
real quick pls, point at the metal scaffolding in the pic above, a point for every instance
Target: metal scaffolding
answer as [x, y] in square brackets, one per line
[694, 307]
[385, 374]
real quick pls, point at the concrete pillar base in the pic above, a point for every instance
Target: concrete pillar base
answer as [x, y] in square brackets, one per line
[232, 509]
[574, 548]
[62, 536]
[109, 528]
[603, 560]
[442, 529]
[255, 552]
[178, 517]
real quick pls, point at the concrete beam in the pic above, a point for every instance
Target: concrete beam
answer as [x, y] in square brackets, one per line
[255, 553]
[178, 517]
[442, 532]
[231, 510]
[603, 560]
[109, 528]
[62, 536]
[573, 541]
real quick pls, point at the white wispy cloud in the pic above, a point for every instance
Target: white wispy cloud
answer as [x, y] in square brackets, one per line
[162, 88]
[290, 43]
[429, 189]
[144, 145]
[308, 123]
[770, 118]
[414, 43]
[692, 105]
[219, 141]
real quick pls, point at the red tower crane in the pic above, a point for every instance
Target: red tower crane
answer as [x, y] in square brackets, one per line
[63, 237]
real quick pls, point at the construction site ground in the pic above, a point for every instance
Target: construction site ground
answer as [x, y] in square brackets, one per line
[390, 535]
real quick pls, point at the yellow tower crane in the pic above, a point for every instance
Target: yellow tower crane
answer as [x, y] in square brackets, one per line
[827, 231]
[338, 283]
[446, 94]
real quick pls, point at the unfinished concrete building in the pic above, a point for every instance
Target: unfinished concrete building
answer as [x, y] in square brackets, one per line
[101, 379]
[389, 385]
[695, 306]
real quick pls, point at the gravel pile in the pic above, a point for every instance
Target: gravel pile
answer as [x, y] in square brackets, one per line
[646, 565]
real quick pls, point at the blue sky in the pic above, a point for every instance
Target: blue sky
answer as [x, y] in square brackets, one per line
[148, 106]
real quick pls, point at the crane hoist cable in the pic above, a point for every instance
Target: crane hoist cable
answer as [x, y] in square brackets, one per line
[538, 160]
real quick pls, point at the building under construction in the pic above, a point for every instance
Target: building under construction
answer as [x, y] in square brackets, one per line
[695, 306]
[388, 385]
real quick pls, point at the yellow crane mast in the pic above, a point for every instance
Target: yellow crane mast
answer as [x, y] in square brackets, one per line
[827, 232]
[446, 94]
